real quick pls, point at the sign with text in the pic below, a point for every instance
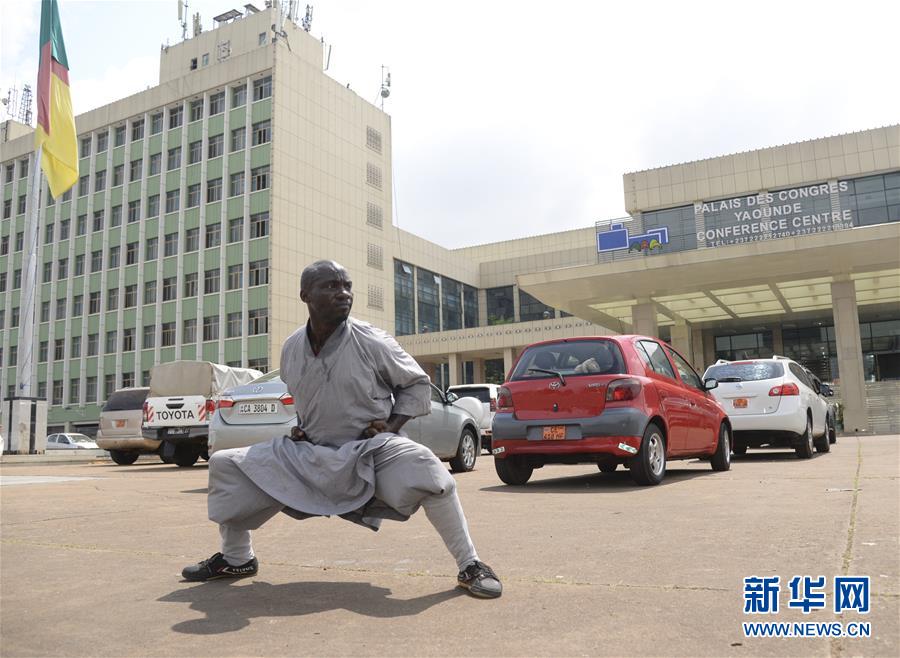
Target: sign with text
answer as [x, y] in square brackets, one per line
[767, 215]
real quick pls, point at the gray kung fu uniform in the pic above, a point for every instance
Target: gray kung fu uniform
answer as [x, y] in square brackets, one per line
[361, 374]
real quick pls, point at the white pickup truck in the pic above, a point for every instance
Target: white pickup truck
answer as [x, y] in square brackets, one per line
[181, 402]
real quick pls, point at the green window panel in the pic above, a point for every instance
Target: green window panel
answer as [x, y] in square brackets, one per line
[189, 312]
[99, 165]
[188, 352]
[46, 257]
[195, 132]
[238, 116]
[8, 192]
[115, 196]
[155, 144]
[259, 249]
[81, 205]
[191, 218]
[233, 256]
[96, 242]
[235, 164]
[259, 202]
[232, 350]
[78, 285]
[153, 188]
[99, 199]
[115, 235]
[119, 156]
[43, 332]
[65, 209]
[213, 212]
[130, 275]
[45, 292]
[170, 267]
[62, 288]
[170, 226]
[175, 136]
[190, 263]
[129, 318]
[133, 232]
[260, 155]
[262, 110]
[258, 297]
[232, 305]
[137, 150]
[213, 170]
[94, 282]
[168, 311]
[93, 323]
[211, 351]
[112, 278]
[42, 374]
[235, 207]
[57, 373]
[109, 366]
[173, 179]
[151, 227]
[134, 191]
[257, 347]
[210, 305]
[167, 354]
[216, 124]
[150, 271]
[193, 175]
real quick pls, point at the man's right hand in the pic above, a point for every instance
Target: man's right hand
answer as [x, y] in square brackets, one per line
[297, 434]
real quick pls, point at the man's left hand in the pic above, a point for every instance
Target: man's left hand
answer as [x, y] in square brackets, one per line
[375, 427]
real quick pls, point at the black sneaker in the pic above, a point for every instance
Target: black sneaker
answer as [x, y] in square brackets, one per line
[218, 567]
[480, 580]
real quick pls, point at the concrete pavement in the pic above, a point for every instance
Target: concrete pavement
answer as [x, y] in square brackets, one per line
[591, 564]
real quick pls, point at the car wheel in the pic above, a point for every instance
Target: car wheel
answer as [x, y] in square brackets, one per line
[607, 467]
[738, 449]
[721, 459]
[513, 470]
[649, 466]
[166, 460]
[822, 444]
[123, 458]
[205, 455]
[466, 453]
[185, 456]
[805, 448]
[832, 432]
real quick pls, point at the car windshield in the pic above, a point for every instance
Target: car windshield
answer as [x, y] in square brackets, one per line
[482, 394]
[570, 358]
[126, 400]
[752, 371]
[80, 438]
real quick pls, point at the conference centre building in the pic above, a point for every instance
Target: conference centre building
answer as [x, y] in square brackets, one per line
[200, 200]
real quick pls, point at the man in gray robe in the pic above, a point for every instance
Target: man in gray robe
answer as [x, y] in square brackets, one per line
[354, 387]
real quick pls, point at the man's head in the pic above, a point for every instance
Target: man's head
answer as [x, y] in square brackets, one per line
[326, 289]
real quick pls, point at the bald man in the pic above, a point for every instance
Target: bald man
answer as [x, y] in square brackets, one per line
[354, 388]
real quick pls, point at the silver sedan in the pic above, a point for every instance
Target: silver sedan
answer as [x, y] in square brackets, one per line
[264, 409]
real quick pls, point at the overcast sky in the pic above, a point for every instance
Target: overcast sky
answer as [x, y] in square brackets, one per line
[518, 118]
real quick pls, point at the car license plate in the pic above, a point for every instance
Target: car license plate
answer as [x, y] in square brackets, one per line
[120, 423]
[740, 403]
[258, 408]
[178, 430]
[555, 433]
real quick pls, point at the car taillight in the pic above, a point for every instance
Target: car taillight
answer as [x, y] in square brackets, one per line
[225, 403]
[504, 399]
[286, 399]
[146, 411]
[210, 406]
[620, 390]
[785, 389]
[493, 404]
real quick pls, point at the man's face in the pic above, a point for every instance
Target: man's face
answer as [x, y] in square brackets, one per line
[329, 297]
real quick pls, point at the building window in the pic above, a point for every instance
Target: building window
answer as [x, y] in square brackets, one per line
[155, 163]
[235, 229]
[151, 250]
[235, 276]
[111, 339]
[428, 290]
[196, 110]
[7, 208]
[217, 103]
[190, 284]
[149, 340]
[169, 289]
[376, 297]
[259, 225]
[83, 187]
[213, 235]
[211, 327]
[48, 233]
[102, 141]
[262, 133]
[60, 308]
[128, 340]
[176, 116]
[119, 136]
[79, 265]
[97, 260]
[150, 292]
[100, 180]
[259, 178]
[872, 199]
[470, 306]
[127, 379]
[115, 216]
[373, 175]
[20, 207]
[57, 392]
[77, 306]
[174, 158]
[10, 173]
[118, 175]
[137, 129]
[404, 299]
[131, 296]
[131, 253]
[170, 246]
[258, 322]
[48, 272]
[211, 280]
[191, 239]
[233, 326]
[135, 170]
[216, 146]
[375, 256]
[23, 168]
[532, 309]
[42, 351]
[373, 139]
[74, 390]
[236, 184]
[238, 138]
[189, 331]
[258, 274]
[156, 123]
[75, 347]
[238, 95]
[680, 224]
[195, 152]
[98, 220]
[173, 197]
[213, 190]
[113, 260]
[90, 389]
[85, 147]
[134, 210]
[193, 195]
[262, 88]
[152, 206]
[93, 344]
[45, 311]
[168, 334]
[20, 235]
[374, 215]
[112, 299]
[500, 305]
[451, 304]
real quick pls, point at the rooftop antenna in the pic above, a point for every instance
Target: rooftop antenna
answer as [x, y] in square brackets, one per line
[306, 23]
[11, 102]
[198, 27]
[25, 105]
[327, 54]
[385, 84]
[182, 12]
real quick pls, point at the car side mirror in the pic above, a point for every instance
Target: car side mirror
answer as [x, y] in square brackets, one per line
[452, 397]
[710, 383]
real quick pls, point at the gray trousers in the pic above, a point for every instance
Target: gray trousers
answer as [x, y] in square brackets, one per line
[250, 507]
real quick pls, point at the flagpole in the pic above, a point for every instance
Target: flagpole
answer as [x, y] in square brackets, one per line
[28, 298]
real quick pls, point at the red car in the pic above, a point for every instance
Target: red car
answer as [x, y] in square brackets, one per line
[606, 400]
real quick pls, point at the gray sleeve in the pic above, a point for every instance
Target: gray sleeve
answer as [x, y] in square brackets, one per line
[409, 384]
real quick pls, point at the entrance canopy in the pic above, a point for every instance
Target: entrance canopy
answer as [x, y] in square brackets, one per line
[783, 277]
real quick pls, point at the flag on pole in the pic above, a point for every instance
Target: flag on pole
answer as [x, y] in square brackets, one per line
[56, 121]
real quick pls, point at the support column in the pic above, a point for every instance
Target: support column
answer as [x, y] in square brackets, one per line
[643, 318]
[508, 358]
[453, 360]
[681, 338]
[698, 360]
[777, 340]
[478, 371]
[849, 356]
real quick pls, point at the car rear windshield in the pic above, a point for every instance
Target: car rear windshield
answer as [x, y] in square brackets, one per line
[80, 438]
[483, 394]
[269, 376]
[126, 400]
[745, 372]
[571, 358]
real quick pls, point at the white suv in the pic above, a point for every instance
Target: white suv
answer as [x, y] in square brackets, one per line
[771, 402]
[487, 395]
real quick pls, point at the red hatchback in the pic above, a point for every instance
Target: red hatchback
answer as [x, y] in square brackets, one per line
[606, 400]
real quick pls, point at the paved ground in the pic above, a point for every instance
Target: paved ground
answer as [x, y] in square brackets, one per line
[591, 564]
